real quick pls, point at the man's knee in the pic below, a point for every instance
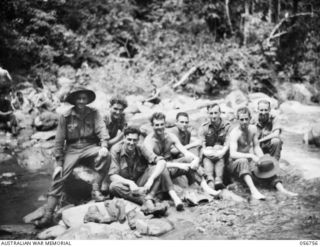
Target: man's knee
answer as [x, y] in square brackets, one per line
[276, 142]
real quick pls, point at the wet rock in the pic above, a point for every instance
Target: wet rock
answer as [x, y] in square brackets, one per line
[52, 232]
[34, 158]
[18, 229]
[4, 158]
[35, 215]
[312, 136]
[90, 231]
[154, 227]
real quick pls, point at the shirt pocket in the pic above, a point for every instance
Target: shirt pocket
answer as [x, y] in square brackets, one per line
[88, 127]
[210, 138]
[73, 130]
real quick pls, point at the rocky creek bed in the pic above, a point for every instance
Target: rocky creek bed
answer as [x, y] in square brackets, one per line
[23, 187]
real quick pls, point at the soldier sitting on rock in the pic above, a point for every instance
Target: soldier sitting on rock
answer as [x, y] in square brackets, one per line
[160, 142]
[215, 145]
[137, 173]
[181, 130]
[252, 166]
[81, 137]
[7, 118]
[269, 130]
[115, 119]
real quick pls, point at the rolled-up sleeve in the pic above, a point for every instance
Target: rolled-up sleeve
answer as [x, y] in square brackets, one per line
[101, 130]
[60, 138]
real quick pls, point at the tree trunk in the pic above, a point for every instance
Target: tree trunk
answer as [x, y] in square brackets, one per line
[228, 15]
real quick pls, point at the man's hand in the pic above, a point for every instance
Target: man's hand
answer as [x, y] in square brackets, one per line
[5, 74]
[133, 186]
[103, 152]
[194, 165]
[255, 158]
[148, 185]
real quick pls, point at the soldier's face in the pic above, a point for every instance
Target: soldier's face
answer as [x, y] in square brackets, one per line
[264, 111]
[116, 110]
[158, 126]
[214, 114]
[131, 141]
[244, 120]
[82, 100]
[182, 123]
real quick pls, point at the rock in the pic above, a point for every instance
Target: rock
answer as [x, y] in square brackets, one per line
[73, 217]
[236, 99]
[17, 229]
[65, 85]
[312, 136]
[296, 92]
[229, 195]
[4, 157]
[90, 231]
[94, 215]
[52, 232]
[8, 175]
[297, 118]
[200, 229]
[154, 227]
[37, 214]
[34, 158]
[44, 135]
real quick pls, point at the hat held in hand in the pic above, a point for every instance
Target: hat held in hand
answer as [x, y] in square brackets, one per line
[74, 93]
[266, 167]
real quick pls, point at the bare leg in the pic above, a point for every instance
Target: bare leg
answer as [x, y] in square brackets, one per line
[208, 189]
[177, 201]
[254, 191]
[281, 189]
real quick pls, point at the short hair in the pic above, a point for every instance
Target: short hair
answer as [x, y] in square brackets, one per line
[131, 130]
[158, 116]
[264, 101]
[117, 99]
[243, 110]
[182, 114]
[213, 105]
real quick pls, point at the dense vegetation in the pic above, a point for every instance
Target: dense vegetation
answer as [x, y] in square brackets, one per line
[129, 44]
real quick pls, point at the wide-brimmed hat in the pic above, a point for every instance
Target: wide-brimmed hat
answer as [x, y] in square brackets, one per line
[72, 96]
[266, 167]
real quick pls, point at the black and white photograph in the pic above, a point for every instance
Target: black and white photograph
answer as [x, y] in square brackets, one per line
[159, 120]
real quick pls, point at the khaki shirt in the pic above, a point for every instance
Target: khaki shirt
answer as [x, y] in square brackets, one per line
[267, 128]
[210, 135]
[160, 147]
[130, 166]
[113, 125]
[79, 131]
[183, 136]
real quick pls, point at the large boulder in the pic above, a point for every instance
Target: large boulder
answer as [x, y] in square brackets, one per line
[52, 232]
[312, 136]
[91, 231]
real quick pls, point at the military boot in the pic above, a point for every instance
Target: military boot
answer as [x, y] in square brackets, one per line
[47, 218]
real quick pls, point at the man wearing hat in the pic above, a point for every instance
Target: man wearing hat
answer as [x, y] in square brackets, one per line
[248, 165]
[81, 136]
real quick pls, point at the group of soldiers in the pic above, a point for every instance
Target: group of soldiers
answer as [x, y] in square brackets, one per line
[138, 168]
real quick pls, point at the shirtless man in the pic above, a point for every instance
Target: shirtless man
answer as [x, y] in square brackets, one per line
[243, 161]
